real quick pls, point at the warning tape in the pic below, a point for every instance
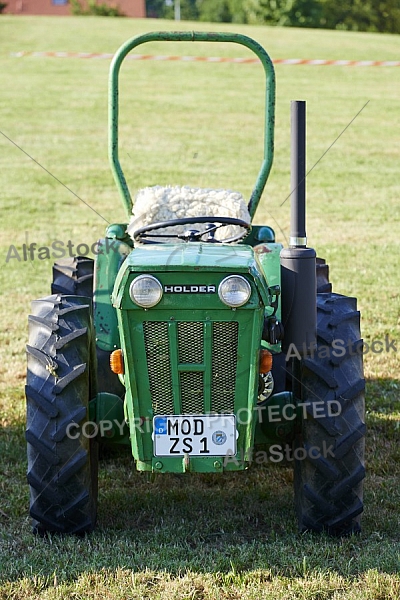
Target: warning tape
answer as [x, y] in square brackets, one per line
[217, 59]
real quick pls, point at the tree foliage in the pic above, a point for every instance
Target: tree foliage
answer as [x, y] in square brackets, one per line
[363, 15]
[354, 15]
[223, 11]
[164, 9]
[91, 7]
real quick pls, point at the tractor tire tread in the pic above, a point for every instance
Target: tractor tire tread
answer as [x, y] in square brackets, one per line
[73, 276]
[61, 468]
[322, 272]
[48, 407]
[328, 490]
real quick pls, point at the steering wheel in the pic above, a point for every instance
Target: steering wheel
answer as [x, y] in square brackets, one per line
[192, 235]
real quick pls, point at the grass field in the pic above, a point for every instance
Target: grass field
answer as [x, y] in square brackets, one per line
[200, 537]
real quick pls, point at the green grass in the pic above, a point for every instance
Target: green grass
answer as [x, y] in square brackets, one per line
[200, 537]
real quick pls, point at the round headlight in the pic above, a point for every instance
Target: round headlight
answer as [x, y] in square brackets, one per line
[146, 291]
[234, 291]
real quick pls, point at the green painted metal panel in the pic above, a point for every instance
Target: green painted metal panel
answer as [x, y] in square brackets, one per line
[187, 264]
[139, 397]
[268, 257]
[111, 254]
[276, 420]
[108, 413]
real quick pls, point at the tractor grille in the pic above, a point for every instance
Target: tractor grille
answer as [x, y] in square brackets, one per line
[190, 342]
[157, 352]
[225, 337]
[192, 392]
[177, 359]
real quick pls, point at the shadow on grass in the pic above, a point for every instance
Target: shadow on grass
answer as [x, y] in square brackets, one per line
[207, 523]
[243, 506]
[256, 504]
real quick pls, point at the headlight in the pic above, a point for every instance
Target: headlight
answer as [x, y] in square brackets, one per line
[146, 291]
[234, 291]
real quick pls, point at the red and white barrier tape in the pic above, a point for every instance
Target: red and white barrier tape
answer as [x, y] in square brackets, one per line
[219, 59]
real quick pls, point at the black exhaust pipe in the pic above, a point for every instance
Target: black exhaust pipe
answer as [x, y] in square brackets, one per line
[298, 263]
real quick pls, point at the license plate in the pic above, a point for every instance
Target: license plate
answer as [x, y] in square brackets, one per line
[197, 435]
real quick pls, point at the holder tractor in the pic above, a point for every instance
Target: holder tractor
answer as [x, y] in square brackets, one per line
[200, 342]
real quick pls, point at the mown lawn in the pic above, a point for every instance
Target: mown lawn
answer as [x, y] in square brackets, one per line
[203, 537]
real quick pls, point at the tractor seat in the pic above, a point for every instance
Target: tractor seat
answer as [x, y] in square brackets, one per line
[157, 204]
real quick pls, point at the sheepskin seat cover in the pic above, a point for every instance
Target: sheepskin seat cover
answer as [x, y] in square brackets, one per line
[156, 204]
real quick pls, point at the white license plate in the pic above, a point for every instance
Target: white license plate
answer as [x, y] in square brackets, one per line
[197, 435]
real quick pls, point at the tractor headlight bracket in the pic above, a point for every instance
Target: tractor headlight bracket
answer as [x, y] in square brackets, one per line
[273, 331]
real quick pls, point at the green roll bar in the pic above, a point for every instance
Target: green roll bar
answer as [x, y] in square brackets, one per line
[192, 36]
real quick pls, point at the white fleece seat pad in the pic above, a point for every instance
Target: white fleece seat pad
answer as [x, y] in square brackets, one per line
[157, 204]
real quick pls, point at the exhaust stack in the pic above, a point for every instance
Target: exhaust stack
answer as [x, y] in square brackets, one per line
[298, 263]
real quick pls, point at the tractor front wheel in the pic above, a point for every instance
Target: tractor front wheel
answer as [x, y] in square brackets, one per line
[62, 449]
[329, 448]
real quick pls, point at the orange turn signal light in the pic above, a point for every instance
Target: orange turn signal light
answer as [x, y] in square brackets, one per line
[265, 361]
[117, 362]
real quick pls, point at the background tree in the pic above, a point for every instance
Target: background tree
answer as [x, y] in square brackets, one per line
[164, 9]
[222, 11]
[353, 15]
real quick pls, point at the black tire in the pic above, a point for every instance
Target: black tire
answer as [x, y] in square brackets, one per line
[329, 489]
[61, 375]
[73, 276]
[323, 284]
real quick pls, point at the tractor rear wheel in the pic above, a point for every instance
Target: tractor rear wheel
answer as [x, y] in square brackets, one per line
[322, 270]
[73, 276]
[329, 448]
[62, 450]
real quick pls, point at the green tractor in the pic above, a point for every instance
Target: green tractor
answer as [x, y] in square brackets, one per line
[200, 342]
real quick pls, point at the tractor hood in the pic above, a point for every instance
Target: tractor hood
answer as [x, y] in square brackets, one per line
[191, 257]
